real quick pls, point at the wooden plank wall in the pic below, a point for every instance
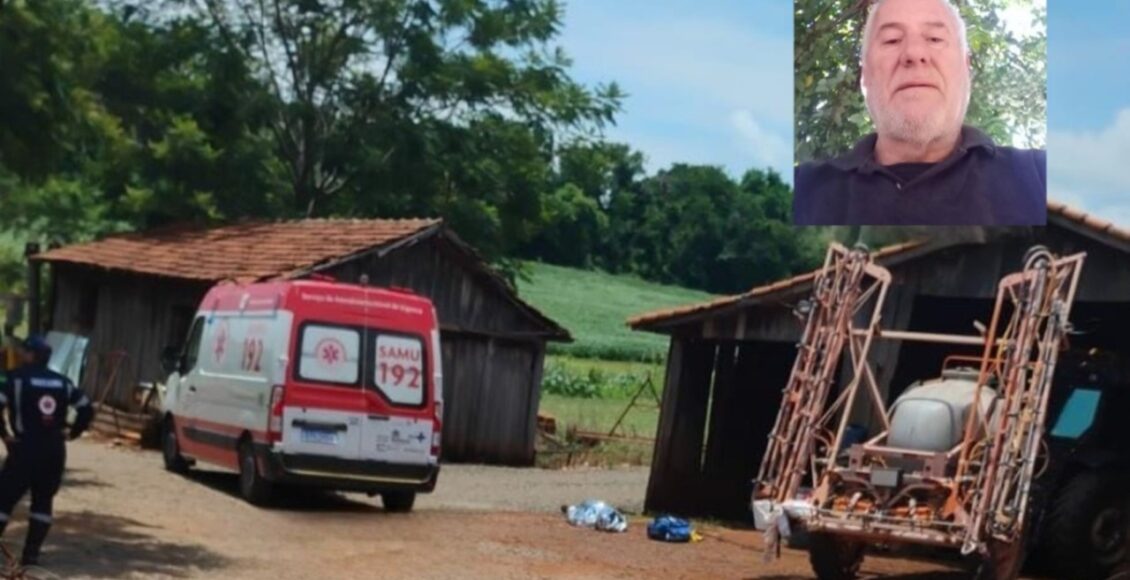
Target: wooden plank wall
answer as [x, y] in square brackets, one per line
[488, 397]
[719, 404]
[133, 314]
[676, 465]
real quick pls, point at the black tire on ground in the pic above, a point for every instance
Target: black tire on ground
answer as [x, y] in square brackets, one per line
[1087, 527]
[398, 501]
[834, 558]
[252, 486]
[170, 449]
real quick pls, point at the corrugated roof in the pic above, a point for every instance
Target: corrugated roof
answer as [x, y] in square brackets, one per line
[652, 317]
[245, 252]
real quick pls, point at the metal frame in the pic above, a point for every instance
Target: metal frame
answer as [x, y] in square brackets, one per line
[973, 495]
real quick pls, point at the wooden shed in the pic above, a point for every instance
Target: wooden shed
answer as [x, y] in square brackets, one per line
[730, 358]
[136, 293]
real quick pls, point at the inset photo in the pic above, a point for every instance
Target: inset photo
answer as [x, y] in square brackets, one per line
[920, 112]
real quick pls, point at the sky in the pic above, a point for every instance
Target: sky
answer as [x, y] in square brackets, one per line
[710, 81]
[1089, 107]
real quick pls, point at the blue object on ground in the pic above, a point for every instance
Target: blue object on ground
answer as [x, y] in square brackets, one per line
[670, 529]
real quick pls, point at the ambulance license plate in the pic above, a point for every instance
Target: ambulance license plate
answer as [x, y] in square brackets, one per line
[320, 436]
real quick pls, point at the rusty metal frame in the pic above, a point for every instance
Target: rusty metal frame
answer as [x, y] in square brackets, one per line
[979, 488]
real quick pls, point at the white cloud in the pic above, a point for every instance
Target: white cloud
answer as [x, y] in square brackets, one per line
[765, 147]
[1090, 169]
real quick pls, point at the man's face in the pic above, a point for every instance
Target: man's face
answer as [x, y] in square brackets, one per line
[26, 357]
[915, 72]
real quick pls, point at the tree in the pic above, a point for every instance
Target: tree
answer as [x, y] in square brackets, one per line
[694, 226]
[51, 50]
[119, 122]
[353, 78]
[573, 224]
[1009, 76]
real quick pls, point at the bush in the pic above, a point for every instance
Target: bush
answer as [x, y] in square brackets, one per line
[594, 384]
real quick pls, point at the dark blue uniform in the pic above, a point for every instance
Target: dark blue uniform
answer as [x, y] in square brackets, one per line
[37, 400]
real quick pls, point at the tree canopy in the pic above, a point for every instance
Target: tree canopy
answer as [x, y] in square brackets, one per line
[121, 115]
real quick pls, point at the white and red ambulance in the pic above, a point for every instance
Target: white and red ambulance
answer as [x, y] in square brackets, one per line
[309, 382]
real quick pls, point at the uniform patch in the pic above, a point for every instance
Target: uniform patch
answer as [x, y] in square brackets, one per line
[47, 405]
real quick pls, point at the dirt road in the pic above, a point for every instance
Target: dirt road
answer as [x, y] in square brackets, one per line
[121, 516]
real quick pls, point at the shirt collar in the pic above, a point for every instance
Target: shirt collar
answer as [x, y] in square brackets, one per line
[862, 155]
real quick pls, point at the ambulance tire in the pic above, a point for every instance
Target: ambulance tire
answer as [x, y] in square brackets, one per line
[170, 449]
[252, 486]
[398, 501]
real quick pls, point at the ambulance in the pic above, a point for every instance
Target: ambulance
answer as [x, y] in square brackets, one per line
[309, 383]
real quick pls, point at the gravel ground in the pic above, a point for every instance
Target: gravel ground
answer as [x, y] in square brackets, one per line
[121, 516]
[480, 487]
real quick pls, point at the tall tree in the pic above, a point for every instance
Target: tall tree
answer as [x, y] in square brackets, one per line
[353, 75]
[695, 226]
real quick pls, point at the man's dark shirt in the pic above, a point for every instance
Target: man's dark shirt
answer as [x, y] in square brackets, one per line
[980, 183]
[38, 399]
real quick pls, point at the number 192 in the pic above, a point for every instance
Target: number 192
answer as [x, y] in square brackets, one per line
[399, 372]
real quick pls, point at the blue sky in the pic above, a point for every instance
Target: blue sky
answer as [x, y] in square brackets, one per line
[1089, 106]
[710, 81]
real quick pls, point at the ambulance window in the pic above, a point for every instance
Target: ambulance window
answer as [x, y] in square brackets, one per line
[399, 372]
[329, 354]
[192, 347]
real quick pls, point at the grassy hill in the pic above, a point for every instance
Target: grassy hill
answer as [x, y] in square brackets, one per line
[594, 306]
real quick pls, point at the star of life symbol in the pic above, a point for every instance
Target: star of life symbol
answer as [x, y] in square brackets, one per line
[330, 352]
[221, 341]
[47, 405]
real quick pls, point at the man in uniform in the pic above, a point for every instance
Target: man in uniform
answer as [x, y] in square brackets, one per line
[37, 400]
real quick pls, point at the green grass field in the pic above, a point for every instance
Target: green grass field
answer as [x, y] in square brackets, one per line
[600, 415]
[631, 367]
[593, 306]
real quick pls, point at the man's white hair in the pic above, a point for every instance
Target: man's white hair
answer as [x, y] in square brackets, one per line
[871, 21]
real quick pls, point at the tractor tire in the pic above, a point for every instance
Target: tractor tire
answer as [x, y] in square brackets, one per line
[1087, 528]
[834, 558]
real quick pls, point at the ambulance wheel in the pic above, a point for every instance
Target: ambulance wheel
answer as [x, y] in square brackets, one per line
[252, 486]
[398, 501]
[170, 449]
[834, 558]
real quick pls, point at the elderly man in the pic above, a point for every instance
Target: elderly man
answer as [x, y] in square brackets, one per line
[922, 166]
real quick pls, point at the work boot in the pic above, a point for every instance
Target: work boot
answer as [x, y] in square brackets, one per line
[36, 534]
